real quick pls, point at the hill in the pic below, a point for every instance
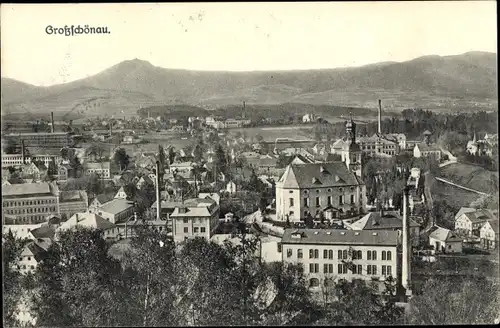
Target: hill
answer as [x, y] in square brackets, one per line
[471, 176]
[430, 81]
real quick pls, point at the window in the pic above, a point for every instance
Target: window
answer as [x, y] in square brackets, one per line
[329, 190]
[314, 282]
[325, 254]
[305, 192]
[313, 267]
[342, 269]
[289, 253]
[371, 255]
[317, 201]
[29, 258]
[352, 199]
[341, 201]
[340, 255]
[185, 220]
[344, 254]
[306, 202]
[317, 191]
[330, 254]
[202, 229]
[384, 257]
[290, 192]
[196, 229]
[291, 202]
[374, 255]
[299, 253]
[316, 254]
[311, 253]
[357, 255]
[368, 255]
[186, 229]
[327, 268]
[371, 269]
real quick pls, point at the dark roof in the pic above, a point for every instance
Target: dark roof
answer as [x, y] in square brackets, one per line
[428, 147]
[71, 195]
[313, 175]
[494, 225]
[44, 231]
[104, 198]
[389, 220]
[340, 237]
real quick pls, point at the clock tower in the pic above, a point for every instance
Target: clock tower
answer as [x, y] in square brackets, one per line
[352, 152]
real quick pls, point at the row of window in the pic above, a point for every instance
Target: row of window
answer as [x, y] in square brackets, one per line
[195, 220]
[329, 202]
[30, 210]
[195, 229]
[317, 190]
[343, 268]
[341, 254]
[30, 219]
[28, 202]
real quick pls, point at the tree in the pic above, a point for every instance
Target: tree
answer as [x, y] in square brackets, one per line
[97, 151]
[122, 159]
[145, 197]
[198, 153]
[255, 184]
[220, 160]
[283, 160]
[12, 291]
[471, 301]
[171, 155]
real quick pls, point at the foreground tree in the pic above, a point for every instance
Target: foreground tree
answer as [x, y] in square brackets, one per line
[122, 159]
[12, 291]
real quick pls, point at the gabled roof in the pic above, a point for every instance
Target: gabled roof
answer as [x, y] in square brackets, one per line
[376, 221]
[427, 147]
[464, 210]
[494, 225]
[104, 198]
[72, 195]
[314, 174]
[479, 216]
[32, 249]
[44, 231]
[442, 234]
[26, 189]
[88, 220]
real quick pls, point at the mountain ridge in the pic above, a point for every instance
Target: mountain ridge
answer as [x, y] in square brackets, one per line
[470, 76]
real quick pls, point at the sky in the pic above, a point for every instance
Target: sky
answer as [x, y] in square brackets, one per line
[237, 36]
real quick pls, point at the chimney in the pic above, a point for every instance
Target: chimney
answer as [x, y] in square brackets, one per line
[379, 116]
[406, 265]
[158, 200]
[23, 152]
[52, 122]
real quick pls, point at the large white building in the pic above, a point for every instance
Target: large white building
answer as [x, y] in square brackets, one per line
[341, 254]
[312, 189]
[195, 218]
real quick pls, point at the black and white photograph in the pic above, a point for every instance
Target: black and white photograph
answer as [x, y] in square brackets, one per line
[249, 164]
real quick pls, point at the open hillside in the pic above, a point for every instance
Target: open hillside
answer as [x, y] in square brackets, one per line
[453, 82]
[470, 176]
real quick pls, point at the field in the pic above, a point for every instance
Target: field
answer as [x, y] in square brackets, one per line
[303, 132]
[454, 196]
[471, 176]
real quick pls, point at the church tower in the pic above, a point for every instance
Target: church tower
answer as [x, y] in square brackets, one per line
[352, 152]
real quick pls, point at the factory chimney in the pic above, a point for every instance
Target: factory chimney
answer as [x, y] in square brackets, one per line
[379, 116]
[158, 199]
[52, 122]
[23, 152]
[406, 246]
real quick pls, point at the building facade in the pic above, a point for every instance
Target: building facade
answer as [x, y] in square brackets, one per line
[489, 234]
[195, 218]
[30, 203]
[42, 139]
[102, 169]
[72, 202]
[340, 254]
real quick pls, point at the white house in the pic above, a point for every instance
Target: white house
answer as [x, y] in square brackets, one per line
[444, 240]
[88, 220]
[469, 221]
[489, 234]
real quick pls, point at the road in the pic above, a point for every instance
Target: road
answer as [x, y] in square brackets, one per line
[461, 187]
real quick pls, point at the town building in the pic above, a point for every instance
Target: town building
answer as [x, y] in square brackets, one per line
[71, 202]
[469, 221]
[330, 254]
[489, 234]
[308, 118]
[427, 149]
[481, 147]
[310, 189]
[444, 240]
[390, 220]
[15, 160]
[32, 254]
[195, 218]
[88, 220]
[114, 210]
[30, 203]
[102, 169]
[41, 139]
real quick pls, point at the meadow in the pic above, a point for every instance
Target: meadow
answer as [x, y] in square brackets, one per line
[471, 176]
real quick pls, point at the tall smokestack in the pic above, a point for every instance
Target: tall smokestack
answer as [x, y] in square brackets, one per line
[379, 116]
[23, 153]
[406, 265]
[158, 200]
[52, 122]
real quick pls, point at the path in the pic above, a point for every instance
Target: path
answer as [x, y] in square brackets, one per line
[461, 187]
